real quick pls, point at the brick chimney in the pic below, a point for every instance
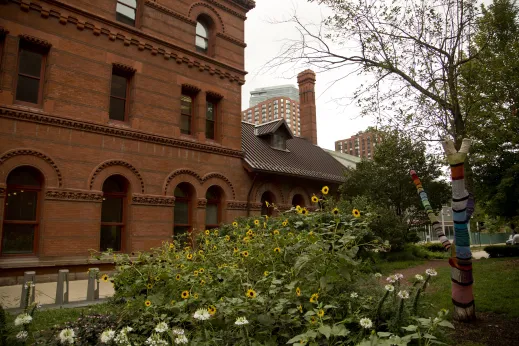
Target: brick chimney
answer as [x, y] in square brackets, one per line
[307, 110]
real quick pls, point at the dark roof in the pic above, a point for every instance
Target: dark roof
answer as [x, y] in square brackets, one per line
[271, 127]
[301, 158]
[248, 4]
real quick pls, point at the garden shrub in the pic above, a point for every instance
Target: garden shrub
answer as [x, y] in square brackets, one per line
[502, 251]
[434, 247]
[410, 252]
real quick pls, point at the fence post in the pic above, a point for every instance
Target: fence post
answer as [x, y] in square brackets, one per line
[93, 284]
[61, 295]
[28, 289]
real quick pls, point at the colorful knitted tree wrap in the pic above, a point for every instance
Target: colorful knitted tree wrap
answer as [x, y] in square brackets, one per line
[461, 265]
[430, 213]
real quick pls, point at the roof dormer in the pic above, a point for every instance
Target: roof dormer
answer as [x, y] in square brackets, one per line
[274, 133]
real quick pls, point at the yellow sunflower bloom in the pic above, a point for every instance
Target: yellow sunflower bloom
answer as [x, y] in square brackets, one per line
[325, 190]
[313, 320]
[335, 211]
[300, 308]
[189, 256]
[250, 233]
[215, 247]
[177, 277]
[298, 292]
[215, 233]
[177, 257]
[314, 298]
[211, 310]
[195, 295]
[201, 270]
[277, 250]
[246, 239]
[227, 238]
[251, 293]
[185, 294]
[200, 252]
[285, 223]
[264, 225]
[320, 313]
[202, 282]
[275, 232]
[235, 224]
[266, 273]
[207, 232]
[104, 278]
[256, 222]
[149, 286]
[355, 212]
[299, 209]
[236, 250]
[147, 303]
[171, 246]
[304, 211]
[315, 199]
[245, 253]
[195, 273]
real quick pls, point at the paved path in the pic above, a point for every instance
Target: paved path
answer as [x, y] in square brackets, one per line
[46, 292]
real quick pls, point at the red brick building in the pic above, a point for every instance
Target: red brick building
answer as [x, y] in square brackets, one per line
[120, 125]
[361, 145]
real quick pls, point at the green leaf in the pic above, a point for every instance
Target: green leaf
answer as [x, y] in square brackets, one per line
[446, 324]
[326, 330]
[410, 328]
[340, 330]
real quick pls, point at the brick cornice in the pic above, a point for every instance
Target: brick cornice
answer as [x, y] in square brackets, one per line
[166, 10]
[155, 200]
[36, 41]
[74, 195]
[124, 68]
[232, 40]
[132, 36]
[46, 119]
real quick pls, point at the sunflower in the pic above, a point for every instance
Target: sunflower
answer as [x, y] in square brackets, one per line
[215, 233]
[235, 250]
[278, 250]
[335, 211]
[251, 293]
[147, 303]
[250, 233]
[300, 308]
[313, 320]
[173, 302]
[201, 270]
[227, 238]
[189, 256]
[200, 252]
[290, 234]
[266, 273]
[298, 292]
[276, 232]
[149, 286]
[195, 273]
[185, 294]
[212, 310]
[256, 222]
[246, 239]
[195, 295]
[320, 313]
[355, 212]
[299, 209]
[104, 278]
[304, 211]
[267, 204]
[325, 190]
[207, 232]
[315, 199]
[202, 282]
[177, 257]
[182, 266]
[177, 277]
[285, 223]
[235, 224]
[314, 297]
[245, 253]
[207, 242]
[214, 247]
[171, 246]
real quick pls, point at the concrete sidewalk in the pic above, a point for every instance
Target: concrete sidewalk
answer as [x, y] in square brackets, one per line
[46, 293]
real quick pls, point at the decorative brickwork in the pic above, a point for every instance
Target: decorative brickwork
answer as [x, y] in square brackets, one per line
[232, 39]
[166, 10]
[110, 163]
[237, 205]
[12, 153]
[214, 95]
[124, 68]
[153, 200]
[201, 203]
[36, 41]
[72, 195]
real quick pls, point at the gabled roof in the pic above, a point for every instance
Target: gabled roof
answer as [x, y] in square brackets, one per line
[301, 158]
[271, 127]
[347, 160]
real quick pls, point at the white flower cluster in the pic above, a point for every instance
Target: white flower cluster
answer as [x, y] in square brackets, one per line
[354, 295]
[181, 338]
[107, 336]
[22, 335]
[22, 319]
[389, 288]
[66, 336]
[378, 275]
[419, 277]
[394, 278]
[241, 321]
[366, 323]
[161, 327]
[122, 338]
[431, 272]
[156, 340]
[403, 294]
[201, 314]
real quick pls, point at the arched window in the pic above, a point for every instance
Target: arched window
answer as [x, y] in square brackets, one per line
[267, 196]
[212, 211]
[113, 210]
[202, 35]
[298, 200]
[20, 226]
[182, 213]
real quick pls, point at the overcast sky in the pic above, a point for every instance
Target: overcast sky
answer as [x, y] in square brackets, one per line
[264, 40]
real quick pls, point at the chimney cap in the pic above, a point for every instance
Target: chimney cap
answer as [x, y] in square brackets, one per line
[306, 75]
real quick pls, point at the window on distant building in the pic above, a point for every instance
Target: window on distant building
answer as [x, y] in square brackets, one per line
[115, 190]
[21, 208]
[126, 11]
[212, 210]
[182, 212]
[119, 95]
[31, 66]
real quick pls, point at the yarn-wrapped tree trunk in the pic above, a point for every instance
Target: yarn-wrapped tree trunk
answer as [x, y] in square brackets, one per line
[462, 208]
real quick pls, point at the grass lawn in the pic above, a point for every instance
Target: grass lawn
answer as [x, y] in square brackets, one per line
[495, 287]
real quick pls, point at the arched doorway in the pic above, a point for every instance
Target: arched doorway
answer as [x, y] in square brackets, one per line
[298, 200]
[267, 198]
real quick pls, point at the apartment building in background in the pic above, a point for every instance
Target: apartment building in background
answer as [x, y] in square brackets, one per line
[360, 145]
[280, 107]
[259, 95]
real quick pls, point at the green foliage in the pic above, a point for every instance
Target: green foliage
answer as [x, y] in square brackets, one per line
[434, 247]
[4, 328]
[495, 251]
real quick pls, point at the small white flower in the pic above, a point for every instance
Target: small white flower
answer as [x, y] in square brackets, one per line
[403, 294]
[366, 323]
[399, 276]
[378, 275]
[419, 277]
[107, 336]
[22, 335]
[22, 319]
[161, 327]
[354, 295]
[66, 336]
[181, 340]
[178, 331]
[389, 288]
[201, 314]
[241, 321]
[376, 250]
[431, 272]
[155, 340]
[391, 279]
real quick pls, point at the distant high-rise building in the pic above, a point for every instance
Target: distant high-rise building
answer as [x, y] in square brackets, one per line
[274, 109]
[281, 91]
[361, 145]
